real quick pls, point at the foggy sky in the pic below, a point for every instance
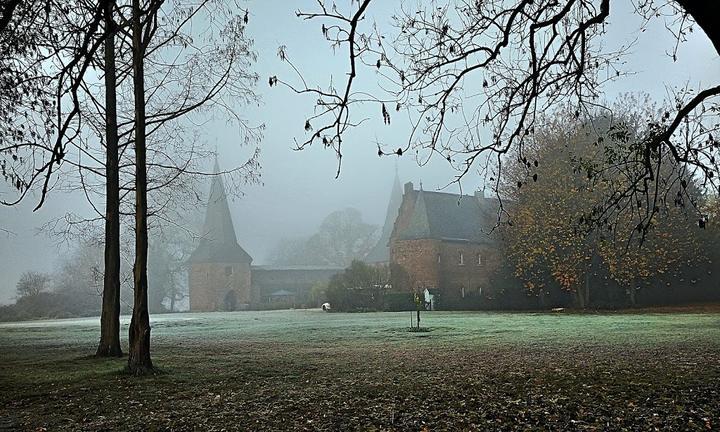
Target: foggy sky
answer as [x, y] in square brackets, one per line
[299, 188]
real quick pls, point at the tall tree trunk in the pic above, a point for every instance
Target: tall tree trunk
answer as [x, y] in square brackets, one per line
[632, 291]
[139, 361]
[109, 345]
[588, 281]
[580, 298]
[586, 290]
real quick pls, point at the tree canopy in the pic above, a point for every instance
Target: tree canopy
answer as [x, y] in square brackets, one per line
[343, 236]
[475, 77]
[553, 240]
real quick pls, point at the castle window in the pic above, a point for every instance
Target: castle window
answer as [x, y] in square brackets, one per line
[228, 270]
[462, 260]
[438, 258]
[462, 291]
[480, 260]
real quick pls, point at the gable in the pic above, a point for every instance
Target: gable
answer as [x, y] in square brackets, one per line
[444, 216]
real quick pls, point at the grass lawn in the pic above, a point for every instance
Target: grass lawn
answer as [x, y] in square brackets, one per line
[310, 370]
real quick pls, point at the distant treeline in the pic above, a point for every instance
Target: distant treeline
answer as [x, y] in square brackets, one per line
[74, 289]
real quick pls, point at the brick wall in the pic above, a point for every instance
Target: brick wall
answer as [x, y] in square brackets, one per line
[472, 276]
[418, 258]
[210, 284]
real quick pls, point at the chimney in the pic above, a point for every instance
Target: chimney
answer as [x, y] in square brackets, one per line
[408, 187]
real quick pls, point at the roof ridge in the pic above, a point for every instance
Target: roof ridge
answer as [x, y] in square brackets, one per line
[448, 216]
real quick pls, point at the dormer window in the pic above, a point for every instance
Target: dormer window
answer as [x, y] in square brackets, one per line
[462, 259]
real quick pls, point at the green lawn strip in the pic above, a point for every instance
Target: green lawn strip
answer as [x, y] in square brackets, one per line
[315, 371]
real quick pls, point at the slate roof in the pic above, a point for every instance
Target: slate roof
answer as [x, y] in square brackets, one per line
[218, 242]
[381, 251]
[445, 216]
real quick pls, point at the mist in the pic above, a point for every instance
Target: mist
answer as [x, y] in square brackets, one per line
[299, 188]
[359, 215]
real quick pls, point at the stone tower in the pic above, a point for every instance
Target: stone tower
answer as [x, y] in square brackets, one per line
[219, 276]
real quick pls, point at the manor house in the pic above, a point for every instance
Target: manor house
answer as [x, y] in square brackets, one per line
[444, 243]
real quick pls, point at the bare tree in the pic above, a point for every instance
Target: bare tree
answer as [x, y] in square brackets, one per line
[32, 283]
[342, 238]
[109, 345]
[170, 250]
[27, 103]
[139, 361]
[190, 77]
[46, 49]
[165, 93]
[475, 77]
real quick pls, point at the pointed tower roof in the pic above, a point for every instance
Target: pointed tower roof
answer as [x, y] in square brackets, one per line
[381, 251]
[419, 226]
[218, 242]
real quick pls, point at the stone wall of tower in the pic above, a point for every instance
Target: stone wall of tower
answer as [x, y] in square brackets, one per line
[210, 284]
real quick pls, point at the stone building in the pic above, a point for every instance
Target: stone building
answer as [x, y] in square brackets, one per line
[444, 243]
[219, 274]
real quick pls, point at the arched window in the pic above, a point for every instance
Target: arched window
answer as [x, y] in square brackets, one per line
[462, 260]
